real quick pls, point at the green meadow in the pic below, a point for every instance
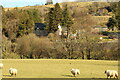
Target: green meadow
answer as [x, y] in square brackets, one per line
[57, 68]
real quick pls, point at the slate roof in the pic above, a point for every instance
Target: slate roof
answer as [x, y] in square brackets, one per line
[41, 26]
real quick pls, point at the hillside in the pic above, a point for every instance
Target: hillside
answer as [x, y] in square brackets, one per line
[80, 6]
[81, 22]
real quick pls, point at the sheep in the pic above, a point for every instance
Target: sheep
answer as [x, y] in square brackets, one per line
[111, 73]
[13, 71]
[1, 65]
[75, 72]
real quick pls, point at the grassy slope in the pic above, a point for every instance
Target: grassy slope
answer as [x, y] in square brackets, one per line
[81, 5]
[56, 68]
[101, 19]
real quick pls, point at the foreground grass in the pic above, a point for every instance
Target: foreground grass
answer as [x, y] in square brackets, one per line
[57, 68]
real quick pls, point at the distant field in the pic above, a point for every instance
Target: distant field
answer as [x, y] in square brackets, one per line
[57, 68]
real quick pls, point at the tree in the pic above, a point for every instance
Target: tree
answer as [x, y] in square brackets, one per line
[111, 23]
[10, 23]
[53, 18]
[31, 46]
[34, 15]
[26, 24]
[57, 14]
[49, 21]
[17, 23]
[67, 20]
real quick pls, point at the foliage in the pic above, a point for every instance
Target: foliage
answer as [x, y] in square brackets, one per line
[67, 20]
[31, 46]
[56, 16]
[115, 7]
[17, 23]
[53, 18]
[49, 21]
[6, 46]
[111, 23]
[7, 49]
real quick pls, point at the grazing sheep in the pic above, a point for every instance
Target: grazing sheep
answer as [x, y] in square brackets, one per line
[111, 73]
[1, 65]
[13, 71]
[75, 72]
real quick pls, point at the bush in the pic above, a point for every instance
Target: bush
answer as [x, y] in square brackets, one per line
[31, 46]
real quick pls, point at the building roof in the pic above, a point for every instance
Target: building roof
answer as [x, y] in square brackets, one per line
[41, 26]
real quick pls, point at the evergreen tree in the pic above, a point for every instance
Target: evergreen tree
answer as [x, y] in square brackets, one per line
[49, 21]
[66, 19]
[111, 23]
[53, 18]
[58, 14]
[26, 24]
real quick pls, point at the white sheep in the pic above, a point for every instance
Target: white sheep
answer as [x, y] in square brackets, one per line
[75, 72]
[13, 71]
[111, 73]
[1, 65]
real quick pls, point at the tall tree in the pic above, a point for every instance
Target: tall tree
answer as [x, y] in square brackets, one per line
[57, 14]
[67, 20]
[49, 21]
[53, 18]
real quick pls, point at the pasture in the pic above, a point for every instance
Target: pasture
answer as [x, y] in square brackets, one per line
[57, 68]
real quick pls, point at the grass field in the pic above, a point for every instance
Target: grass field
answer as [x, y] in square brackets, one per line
[57, 68]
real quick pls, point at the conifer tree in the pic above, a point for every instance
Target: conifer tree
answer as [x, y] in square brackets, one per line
[49, 21]
[57, 14]
[66, 19]
[53, 18]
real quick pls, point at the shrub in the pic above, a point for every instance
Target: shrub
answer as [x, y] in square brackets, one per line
[31, 46]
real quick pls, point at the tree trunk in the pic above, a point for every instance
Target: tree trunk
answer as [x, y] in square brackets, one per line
[88, 55]
[83, 55]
